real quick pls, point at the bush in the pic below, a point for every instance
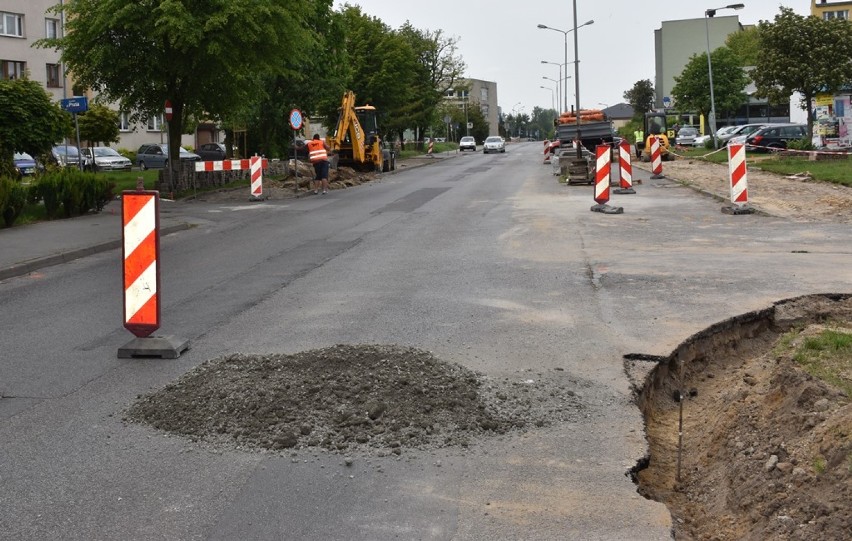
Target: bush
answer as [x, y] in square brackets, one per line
[801, 144]
[129, 154]
[69, 192]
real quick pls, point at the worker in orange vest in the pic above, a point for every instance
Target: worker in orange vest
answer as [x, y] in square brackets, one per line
[318, 154]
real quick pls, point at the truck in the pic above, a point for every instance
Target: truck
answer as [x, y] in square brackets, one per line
[595, 129]
[355, 141]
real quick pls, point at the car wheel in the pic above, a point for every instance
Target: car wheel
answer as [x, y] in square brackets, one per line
[385, 165]
[142, 166]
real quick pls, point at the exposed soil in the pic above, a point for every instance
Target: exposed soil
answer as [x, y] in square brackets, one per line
[796, 197]
[374, 399]
[767, 448]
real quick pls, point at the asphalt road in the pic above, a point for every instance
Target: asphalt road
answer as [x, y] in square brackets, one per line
[484, 260]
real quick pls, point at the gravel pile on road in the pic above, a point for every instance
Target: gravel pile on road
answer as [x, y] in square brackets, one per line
[376, 398]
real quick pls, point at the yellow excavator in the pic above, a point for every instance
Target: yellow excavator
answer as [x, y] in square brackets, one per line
[656, 127]
[356, 141]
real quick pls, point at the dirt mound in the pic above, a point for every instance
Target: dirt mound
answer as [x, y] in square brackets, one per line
[767, 445]
[380, 399]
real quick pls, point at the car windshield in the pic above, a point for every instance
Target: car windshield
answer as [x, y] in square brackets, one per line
[70, 151]
[688, 131]
[467, 139]
[493, 140]
[22, 156]
[105, 151]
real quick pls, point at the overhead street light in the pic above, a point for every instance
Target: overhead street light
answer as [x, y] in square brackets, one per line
[552, 102]
[559, 87]
[707, 15]
[565, 34]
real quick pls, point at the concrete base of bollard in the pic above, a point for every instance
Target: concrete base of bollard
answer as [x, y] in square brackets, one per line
[163, 347]
[258, 197]
[736, 210]
[658, 177]
[606, 209]
[622, 191]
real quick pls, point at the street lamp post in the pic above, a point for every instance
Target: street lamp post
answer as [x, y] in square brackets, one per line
[707, 15]
[559, 86]
[576, 67]
[552, 102]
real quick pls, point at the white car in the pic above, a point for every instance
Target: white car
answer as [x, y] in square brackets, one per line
[467, 143]
[105, 159]
[494, 144]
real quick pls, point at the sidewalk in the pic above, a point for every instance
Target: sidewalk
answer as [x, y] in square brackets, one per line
[26, 248]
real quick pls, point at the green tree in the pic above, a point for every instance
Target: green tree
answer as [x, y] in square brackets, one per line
[640, 97]
[98, 125]
[801, 54]
[31, 121]
[745, 45]
[692, 87]
[205, 57]
[542, 122]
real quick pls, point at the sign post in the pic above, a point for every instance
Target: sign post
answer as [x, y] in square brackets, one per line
[296, 123]
[167, 110]
[77, 104]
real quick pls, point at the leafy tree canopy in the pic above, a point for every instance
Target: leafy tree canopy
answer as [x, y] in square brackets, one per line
[98, 125]
[745, 45]
[205, 57]
[31, 121]
[641, 97]
[692, 87]
[802, 54]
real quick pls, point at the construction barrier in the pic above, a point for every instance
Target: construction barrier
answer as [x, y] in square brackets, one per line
[738, 173]
[141, 250]
[431, 148]
[602, 174]
[625, 167]
[256, 177]
[656, 159]
[228, 165]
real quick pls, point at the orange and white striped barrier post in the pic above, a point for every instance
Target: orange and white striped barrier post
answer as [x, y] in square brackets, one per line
[255, 166]
[738, 175]
[625, 170]
[603, 171]
[656, 159]
[140, 212]
[431, 147]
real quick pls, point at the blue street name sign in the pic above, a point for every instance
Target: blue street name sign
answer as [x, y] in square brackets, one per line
[78, 104]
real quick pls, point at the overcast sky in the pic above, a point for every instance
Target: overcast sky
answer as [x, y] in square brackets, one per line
[499, 40]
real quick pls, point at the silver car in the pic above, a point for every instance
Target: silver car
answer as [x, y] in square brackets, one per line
[494, 144]
[467, 143]
[686, 136]
[105, 159]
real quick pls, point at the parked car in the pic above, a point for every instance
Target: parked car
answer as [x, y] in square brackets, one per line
[467, 143]
[741, 131]
[67, 156]
[701, 140]
[105, 159]
[775, 136]
[299, 149]
[212, 152]
[686, 136]
[25, 165]
[156, 156]
[493, 144]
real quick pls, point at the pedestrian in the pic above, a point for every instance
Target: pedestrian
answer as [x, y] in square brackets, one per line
[638, 141]
[318, 154]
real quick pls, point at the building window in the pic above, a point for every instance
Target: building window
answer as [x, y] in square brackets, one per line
[123, 121]
[155, 123]
[483, 94]
[12, 69]
[51, 28]
[843, 14]
[53, 78]
[484, 108]
[11, 24]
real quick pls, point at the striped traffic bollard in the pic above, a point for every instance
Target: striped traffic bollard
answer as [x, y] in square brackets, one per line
[738, 173]
[141, 241]
[140, 212]
[656, 159]
[255, 166]
[431, 147]
[625, 168]
[602, 176]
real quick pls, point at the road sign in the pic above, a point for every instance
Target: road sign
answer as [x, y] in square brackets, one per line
[77, 104]
[296, 119]
[667, 102]
[168, 109]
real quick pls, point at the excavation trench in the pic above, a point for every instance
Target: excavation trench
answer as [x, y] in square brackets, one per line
[766, 447]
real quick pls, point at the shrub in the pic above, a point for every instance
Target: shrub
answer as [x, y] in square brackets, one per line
[69, 192]
[129, 154]
[13, 199]
[801, 144]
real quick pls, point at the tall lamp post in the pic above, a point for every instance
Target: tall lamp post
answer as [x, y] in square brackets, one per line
[707, 15]
[552, 102]
[576, 67]
[559, 86]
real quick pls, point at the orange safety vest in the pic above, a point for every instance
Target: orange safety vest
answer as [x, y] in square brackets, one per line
[316, 151]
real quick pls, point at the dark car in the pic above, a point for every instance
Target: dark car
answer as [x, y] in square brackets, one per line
[68, 156]
[299, 149]
[212, 152]
[25, 165]
[775, 136]
[156, 156]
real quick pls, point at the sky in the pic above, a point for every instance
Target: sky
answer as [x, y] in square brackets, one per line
[499, 41]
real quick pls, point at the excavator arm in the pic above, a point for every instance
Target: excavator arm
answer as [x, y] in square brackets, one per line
[349, 140]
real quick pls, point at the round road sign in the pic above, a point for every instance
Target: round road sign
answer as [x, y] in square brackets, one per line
[296, 119]
[168, 109]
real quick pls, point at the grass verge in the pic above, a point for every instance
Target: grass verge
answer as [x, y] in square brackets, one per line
[828, 356]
